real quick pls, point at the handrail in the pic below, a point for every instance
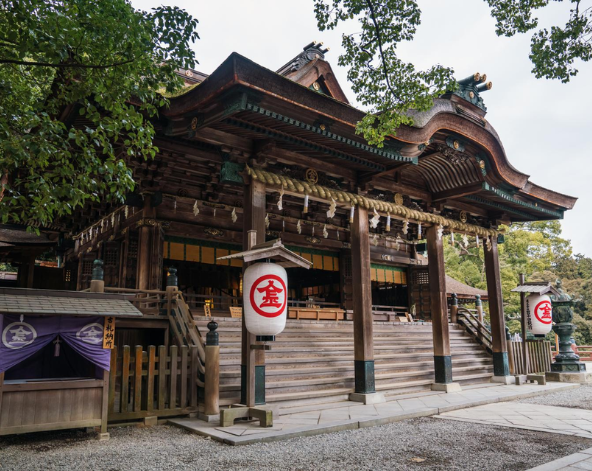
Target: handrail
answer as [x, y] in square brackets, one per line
[474, 326]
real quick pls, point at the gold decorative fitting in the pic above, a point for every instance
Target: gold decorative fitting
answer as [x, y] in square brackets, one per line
[398, 198]
[316, 86]
[313, 240]
[482, 164]
[463, 216]
[189, 73]
[214, 232]
[312, 176]
[477, 76]
[194, 123]
[472, 94]
[456, 144]
[322, 127]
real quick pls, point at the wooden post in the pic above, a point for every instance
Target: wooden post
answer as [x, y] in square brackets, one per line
[145, 247]
[212, 379]
[30, 271]
[104, 405]
[1, 385]
[362, 303]
[525, 359]
[496, 312]
[454, 309]
[252, 364]
[479, 309]
[439, 310]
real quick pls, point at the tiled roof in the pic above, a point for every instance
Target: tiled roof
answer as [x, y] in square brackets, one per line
[16, 301]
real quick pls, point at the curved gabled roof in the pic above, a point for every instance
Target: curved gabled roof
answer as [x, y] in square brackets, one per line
[269, 101]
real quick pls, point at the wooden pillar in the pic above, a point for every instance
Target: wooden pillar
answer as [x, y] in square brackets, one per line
[362, 304]
[252, 362]
[30, 271]
[439, 307]
[144, 248]
[496, 311]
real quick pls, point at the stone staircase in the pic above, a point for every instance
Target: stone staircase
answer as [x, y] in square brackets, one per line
[313, 361]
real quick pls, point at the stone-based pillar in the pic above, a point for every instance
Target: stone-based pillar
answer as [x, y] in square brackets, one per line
[252, 362]
[365, 387]
[439, 310]
[501, 367]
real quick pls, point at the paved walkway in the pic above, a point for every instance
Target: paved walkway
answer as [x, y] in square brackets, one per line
[563, 420]
[577, 461]
[345, 415]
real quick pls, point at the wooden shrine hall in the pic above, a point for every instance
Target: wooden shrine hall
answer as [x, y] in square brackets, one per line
[247, 148]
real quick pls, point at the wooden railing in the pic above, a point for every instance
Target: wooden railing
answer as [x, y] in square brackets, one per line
[170, 303]
[539, 356]
[218, 303]
[468, 318]
[150, 302]
[153, 383]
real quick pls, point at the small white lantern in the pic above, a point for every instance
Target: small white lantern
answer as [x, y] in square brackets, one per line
[265, 298]
[539, 314]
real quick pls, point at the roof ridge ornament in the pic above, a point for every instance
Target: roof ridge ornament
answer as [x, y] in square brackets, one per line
[313, 50]
[471, 87]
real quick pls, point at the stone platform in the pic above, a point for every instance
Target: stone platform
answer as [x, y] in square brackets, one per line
[345, 415]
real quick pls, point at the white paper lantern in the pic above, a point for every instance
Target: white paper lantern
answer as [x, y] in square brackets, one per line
[265, 298]
[539, 314]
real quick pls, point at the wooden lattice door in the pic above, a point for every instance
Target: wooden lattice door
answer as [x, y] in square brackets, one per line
[111, 258]
[420, 293]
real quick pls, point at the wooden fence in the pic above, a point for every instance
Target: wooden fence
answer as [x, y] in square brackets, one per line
[154, 383]
[539, 356]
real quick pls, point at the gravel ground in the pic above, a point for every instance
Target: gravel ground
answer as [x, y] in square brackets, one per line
[417, 444]
[579, 398]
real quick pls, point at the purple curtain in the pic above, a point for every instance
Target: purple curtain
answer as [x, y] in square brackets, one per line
[21, 339]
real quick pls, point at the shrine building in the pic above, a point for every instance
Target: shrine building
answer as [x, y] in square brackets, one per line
[247, 148]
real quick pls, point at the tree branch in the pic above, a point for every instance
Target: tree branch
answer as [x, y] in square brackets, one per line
[379, 39]
[64, 65]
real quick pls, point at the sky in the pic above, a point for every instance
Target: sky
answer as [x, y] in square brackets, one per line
[542, 123]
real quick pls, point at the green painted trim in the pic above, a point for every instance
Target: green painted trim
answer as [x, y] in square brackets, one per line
[300, 142]
[391, 155]
[487, 187]
[295, 248]
[377, 266]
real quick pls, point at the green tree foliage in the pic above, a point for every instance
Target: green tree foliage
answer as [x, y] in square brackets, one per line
[537, 250]
[553, 51]
[390, 87]
[104, 60]
[385, 84]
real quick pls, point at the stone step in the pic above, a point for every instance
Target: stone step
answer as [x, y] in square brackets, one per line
[233, 370]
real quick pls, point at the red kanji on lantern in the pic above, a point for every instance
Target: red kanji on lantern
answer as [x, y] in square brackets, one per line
[274, 299]
[543, 312]
[270, 298]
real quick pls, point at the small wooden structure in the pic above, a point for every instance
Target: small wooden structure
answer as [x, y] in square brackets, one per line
[34, 394]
